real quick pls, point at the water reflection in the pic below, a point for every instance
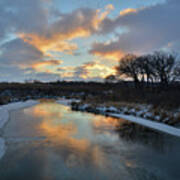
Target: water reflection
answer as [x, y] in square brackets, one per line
[78, 145]
[66, 131]
[136, 133]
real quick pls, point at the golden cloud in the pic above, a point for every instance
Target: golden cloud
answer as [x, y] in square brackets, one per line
[43, 66]
[48, 44]
[114, 55]
[128, 11]
[57, 37]
[95, 69]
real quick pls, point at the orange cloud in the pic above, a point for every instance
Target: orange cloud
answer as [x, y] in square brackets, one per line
[94, 69]
[52, 43]
[78, 24]
[42, 66]
[128, 11]
[103, 15]
[100, 70]
[114, 55]
[66, 71]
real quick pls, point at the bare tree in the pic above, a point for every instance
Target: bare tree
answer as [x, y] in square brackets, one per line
[128, 66]
[146, 69]
[158, 67]
[163, 66]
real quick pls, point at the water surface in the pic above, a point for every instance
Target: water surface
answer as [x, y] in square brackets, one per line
[51, 142]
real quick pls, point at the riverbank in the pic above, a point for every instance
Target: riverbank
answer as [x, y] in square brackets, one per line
[4, 109]
[134, 127]
[141, 115]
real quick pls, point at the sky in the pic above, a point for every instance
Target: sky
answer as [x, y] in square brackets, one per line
[81, 40]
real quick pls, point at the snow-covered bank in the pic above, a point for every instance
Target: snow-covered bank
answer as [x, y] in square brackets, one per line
[131, 116]
[150, 124]
[67, 102]
[19, 105]
[4, 109]
[4, 116]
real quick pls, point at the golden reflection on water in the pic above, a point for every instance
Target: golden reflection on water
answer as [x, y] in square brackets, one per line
[81, 141]
[72, 131]
[53, 126]
[107, 123]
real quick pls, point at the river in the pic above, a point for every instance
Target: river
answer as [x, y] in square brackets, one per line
[49, 141]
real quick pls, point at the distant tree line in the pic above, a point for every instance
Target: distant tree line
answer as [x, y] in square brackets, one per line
[160, 67]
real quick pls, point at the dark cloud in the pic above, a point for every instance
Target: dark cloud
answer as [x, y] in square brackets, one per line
[14, 74]
[17, 53]
[148, 29]
[22, 16]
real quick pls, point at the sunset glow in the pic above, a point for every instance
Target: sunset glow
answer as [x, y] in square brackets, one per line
[80, 41]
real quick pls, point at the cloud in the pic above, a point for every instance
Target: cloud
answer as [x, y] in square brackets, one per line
[19, 53]
[23, 16]
[38, 23]
[93, 70]
[110, 51]
[43, 66]
[20, 60]
[45, 44]
[88, 71]
[78, 24]
[14, 74]
[44, 76]
[128, 11]
[33, 34]
[147, 29]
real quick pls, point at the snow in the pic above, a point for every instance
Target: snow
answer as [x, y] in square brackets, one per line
[132, 111]
[19, 105]
[150, 124]
[138, 120]
[139, 113]
[67, 102]
[4, 110]
[113, 109]
[148, 115]
[83, 107]
[157, 118]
